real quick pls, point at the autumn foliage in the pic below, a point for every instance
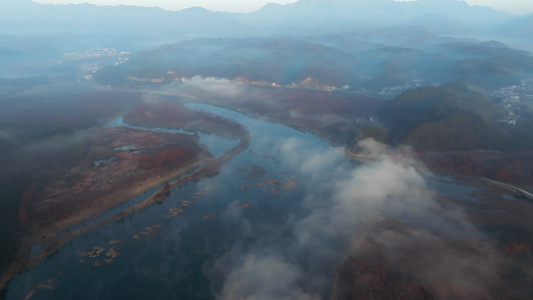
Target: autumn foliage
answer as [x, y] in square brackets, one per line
[169, 114]
[515, 248]
[166, 158]
[371, 279]
[514, 167]
[365, 278]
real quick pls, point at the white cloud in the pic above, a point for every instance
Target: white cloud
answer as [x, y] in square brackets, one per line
[215, 86]
[264, 278]
[383, 206]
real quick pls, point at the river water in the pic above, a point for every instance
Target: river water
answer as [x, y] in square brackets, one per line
[161, 256]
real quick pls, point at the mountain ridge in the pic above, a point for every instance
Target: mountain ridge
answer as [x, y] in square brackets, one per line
[324, 15]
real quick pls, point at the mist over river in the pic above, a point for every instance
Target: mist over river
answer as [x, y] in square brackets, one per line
[274, 223]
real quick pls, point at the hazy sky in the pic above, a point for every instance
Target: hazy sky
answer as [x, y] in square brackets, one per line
[519, 7]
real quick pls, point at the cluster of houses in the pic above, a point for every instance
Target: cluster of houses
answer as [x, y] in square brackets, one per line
[514, 98]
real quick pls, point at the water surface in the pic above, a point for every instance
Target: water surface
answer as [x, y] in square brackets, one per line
[165, 257]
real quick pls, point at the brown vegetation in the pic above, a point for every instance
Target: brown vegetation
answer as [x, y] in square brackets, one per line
[370, 279]
[165, 113]
[515, 167]
[515, 248]
[87, 189]
[82, 187]
[166, 158]
[393, 260]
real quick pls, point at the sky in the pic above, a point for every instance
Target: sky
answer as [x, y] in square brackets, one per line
[518, 7]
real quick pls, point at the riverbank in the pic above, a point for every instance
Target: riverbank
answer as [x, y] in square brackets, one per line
[206, 167]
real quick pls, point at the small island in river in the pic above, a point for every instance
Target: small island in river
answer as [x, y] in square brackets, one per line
[117, 164]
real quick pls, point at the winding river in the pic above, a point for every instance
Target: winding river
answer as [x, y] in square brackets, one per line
[168, 251]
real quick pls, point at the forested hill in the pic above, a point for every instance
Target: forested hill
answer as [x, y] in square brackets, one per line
[450, 117]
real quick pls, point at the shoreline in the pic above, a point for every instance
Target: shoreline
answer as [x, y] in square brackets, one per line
[22, 261]
[128, 191]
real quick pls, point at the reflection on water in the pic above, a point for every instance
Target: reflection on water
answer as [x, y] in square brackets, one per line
[508, 197]
[102, 161]
[454, 191]
[125, 147]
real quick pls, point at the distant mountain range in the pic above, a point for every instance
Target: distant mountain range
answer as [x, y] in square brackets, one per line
[346, 14]
[330, 60]
[32, 18]
[367, 45]
[521, 26]
[304, 16]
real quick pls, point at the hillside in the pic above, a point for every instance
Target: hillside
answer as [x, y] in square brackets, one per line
[449, 117]
[365, 63]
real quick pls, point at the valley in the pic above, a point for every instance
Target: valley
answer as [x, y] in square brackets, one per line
[319, 149]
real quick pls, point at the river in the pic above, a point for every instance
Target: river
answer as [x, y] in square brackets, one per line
[159, 253]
